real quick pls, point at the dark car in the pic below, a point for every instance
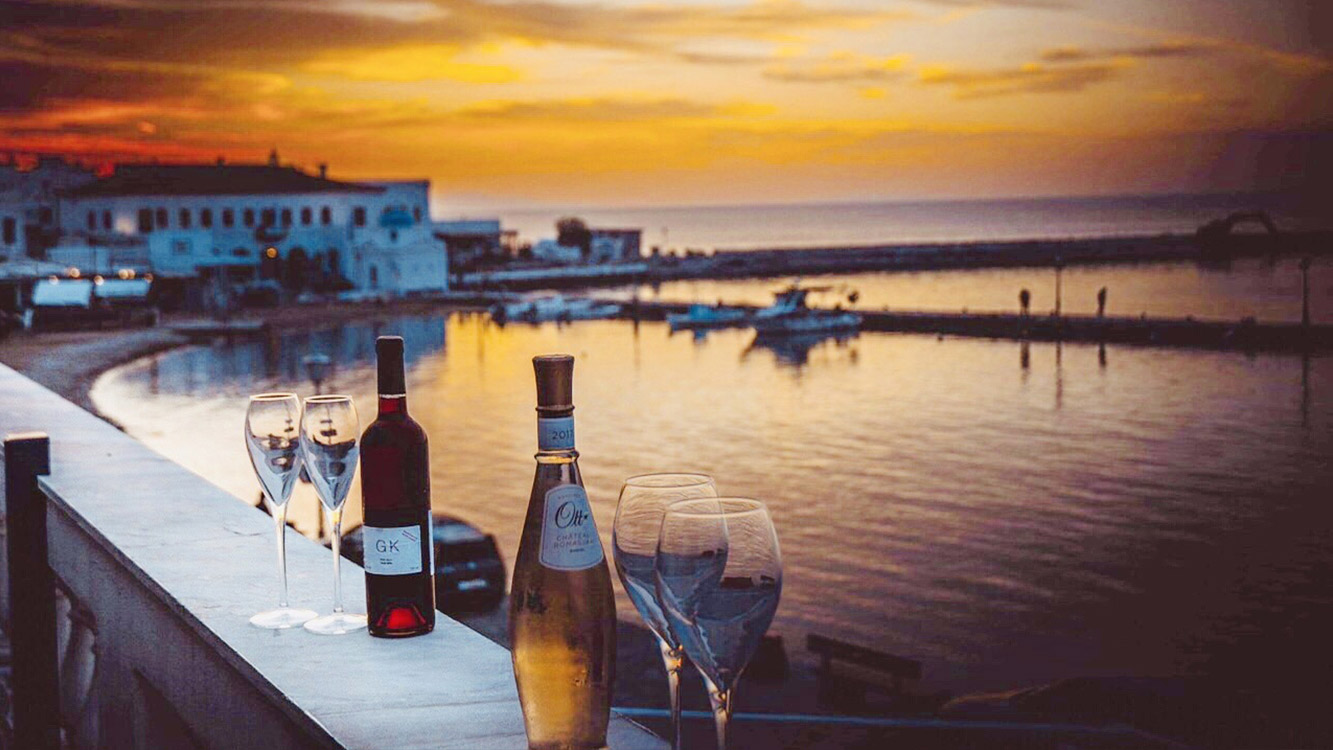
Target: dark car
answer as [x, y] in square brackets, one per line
[469, 573]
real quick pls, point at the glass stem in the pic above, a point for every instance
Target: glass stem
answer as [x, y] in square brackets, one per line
[672, 659]
[721, 701]
[335, 523]
[280, 521]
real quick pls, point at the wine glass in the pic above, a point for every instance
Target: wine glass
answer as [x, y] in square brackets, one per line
[329, 433]
[643, 502]
[719, 577]
[273, 438]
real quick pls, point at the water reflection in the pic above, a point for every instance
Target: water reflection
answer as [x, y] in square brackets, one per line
[793, 350]
[1169, 517]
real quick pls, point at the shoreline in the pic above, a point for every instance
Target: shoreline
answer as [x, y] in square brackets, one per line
[70, 362]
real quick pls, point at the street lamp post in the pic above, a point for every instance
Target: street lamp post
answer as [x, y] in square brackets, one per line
[1305, 291]
[1059, 266]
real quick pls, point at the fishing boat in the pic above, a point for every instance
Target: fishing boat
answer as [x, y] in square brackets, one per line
[699, 317]
[789, 314]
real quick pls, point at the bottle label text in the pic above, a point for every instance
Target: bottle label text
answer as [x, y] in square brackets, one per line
[569, 534]
[555, 434]
[394, 551]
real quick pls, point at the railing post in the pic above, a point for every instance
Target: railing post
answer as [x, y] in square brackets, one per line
[32, 595]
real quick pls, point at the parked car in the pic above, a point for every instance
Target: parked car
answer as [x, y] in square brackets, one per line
[469, 573]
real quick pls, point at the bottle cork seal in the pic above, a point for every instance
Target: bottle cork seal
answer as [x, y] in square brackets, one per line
[555, 382]
[389, 365]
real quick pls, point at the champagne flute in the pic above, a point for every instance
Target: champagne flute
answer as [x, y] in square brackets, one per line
[329, 434]
[643, 502]
[719, 578]
[273, 439]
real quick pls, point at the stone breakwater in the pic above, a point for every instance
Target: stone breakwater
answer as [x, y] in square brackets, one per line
[768, 263]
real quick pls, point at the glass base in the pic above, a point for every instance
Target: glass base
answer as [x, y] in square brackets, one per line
[337, 623]
[280, 619]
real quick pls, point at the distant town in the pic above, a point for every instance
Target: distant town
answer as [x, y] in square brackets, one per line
[211, 237]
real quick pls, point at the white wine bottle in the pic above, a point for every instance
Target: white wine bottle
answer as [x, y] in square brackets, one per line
[562, 613]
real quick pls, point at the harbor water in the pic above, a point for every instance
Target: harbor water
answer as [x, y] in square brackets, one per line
[1008, 514]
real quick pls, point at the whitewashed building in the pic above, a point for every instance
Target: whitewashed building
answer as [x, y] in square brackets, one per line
[29, 203]
[247, 221]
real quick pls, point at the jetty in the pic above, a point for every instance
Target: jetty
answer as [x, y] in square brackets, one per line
[1203, 247]
[1246, 334]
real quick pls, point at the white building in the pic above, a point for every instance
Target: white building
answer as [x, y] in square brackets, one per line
[29, 201]
[552, 251]
[247, 221]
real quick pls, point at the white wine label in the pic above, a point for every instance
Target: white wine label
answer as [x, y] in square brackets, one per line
[393, 551]
[555, 434]
[569, 534]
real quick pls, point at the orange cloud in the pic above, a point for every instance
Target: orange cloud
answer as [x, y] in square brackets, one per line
[837, 67]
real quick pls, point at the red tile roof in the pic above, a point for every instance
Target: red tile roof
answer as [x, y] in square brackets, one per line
[220, 179]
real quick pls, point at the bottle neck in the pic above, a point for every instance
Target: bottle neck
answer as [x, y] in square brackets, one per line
[555, 434]
[393, 405]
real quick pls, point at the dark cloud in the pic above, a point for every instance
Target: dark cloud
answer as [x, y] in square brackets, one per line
[1028, 79]
[1150, 51]
[605, 109]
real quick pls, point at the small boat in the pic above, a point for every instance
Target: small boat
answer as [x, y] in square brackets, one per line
[789, 315]
[553, 307]
[707, 316]
[809, 321]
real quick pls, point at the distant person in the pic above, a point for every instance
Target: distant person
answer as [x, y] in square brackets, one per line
[1101, 302]
[1024, 301]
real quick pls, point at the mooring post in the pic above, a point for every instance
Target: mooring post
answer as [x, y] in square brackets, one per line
[32, 595]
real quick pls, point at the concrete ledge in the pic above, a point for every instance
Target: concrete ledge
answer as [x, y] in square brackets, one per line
[171, 567]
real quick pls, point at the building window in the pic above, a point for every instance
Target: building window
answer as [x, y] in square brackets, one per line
[185, 218]
[240, 252]
[92, 220]
[217, 251]
[145, 220]
[162, 218]
[228, 217]
[416, 214]
[206, 218]
[325, 216]
[249, 217]
[180, 247]
[268, 218]
[106, 220]
[359, 216]
[11, 230]
[305, 216]
[286, 217]
[45, 215]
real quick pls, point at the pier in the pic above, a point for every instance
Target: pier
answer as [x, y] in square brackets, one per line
[1244, 335]
[811, 261]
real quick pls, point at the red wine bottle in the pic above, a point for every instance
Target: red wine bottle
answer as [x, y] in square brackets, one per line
[395, 492]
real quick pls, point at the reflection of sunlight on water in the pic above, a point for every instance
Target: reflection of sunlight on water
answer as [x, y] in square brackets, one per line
[1005, 512]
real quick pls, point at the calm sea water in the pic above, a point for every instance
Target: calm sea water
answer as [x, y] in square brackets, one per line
[739, 227]
[1006, 514]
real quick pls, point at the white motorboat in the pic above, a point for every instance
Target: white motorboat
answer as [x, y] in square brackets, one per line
[789, 314]
[553, 307]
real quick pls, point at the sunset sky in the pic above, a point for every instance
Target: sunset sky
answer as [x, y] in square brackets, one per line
[636, 102]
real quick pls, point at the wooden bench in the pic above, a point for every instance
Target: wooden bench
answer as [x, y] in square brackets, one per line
[847, 671]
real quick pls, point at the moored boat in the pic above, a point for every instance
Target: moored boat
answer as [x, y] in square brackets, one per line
[789, 314]
[553, 307]
[707, 316]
